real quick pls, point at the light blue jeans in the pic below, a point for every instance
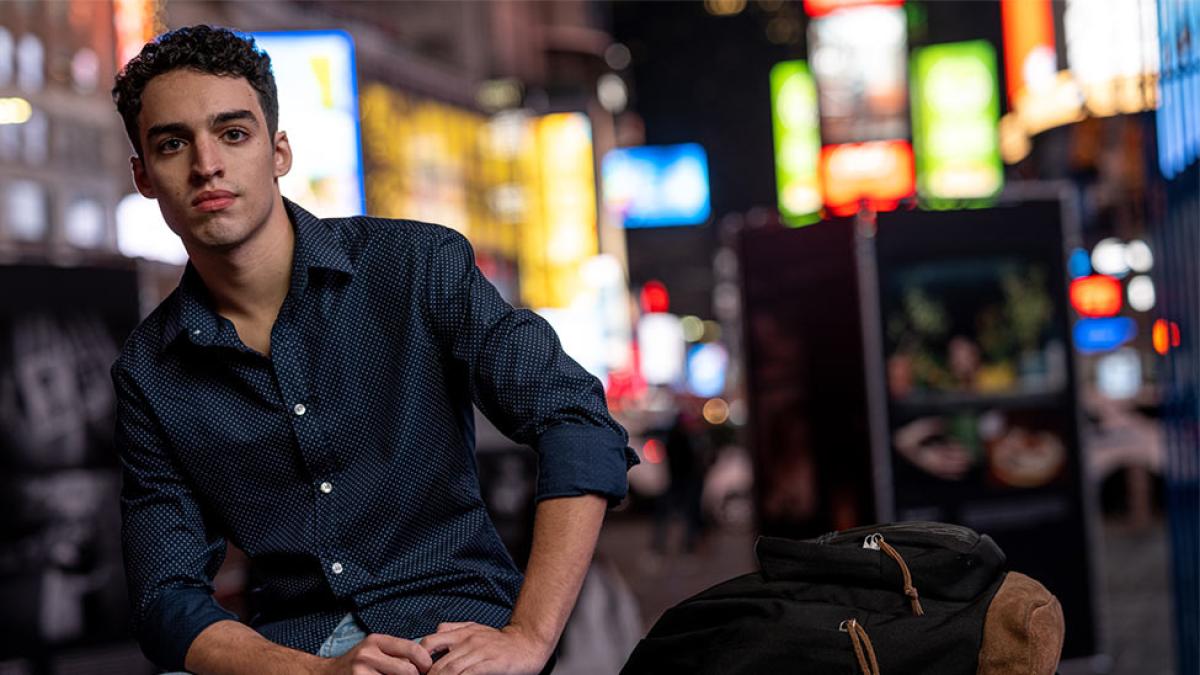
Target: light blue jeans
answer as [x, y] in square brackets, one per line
[343, 638]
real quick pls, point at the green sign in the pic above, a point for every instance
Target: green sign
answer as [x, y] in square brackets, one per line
[797, 142]
[956, 112]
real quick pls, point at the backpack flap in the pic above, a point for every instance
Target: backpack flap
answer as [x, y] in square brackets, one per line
[947, 562]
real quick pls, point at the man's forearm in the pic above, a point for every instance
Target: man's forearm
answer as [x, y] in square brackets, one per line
[232, 648]
[565, 530]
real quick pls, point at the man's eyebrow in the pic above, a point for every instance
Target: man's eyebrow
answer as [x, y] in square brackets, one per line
[177, 128]
[231, 116]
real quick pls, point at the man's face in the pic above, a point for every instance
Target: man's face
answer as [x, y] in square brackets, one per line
[208, 157]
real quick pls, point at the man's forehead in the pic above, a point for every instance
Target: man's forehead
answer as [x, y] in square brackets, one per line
[194, 97]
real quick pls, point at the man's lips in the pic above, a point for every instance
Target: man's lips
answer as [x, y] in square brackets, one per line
[213, 200]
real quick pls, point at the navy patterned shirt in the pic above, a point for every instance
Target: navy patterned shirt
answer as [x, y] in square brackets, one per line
[343, 464]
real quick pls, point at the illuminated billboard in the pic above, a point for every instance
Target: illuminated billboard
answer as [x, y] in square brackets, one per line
[858, 58]
[1179, 85]
[956, 109]
[797, 132]
[560, 235]
[1112, 51]
[880, 173]
[318, 108]
[654, 186]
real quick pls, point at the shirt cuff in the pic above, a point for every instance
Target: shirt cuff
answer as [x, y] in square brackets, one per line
[174, 620]
[574, 460]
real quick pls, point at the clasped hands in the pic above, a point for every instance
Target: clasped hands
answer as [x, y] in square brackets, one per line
[462, 648]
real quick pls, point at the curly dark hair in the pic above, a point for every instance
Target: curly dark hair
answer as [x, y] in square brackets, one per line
[206, 49]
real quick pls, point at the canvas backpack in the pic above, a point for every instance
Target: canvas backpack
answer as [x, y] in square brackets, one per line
[913, 597]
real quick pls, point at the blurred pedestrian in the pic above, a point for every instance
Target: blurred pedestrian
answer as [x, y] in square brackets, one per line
[686, 469]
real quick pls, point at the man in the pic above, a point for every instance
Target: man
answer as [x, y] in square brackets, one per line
[306, 393]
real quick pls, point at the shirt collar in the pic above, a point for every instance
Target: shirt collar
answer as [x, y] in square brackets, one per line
[190, 311]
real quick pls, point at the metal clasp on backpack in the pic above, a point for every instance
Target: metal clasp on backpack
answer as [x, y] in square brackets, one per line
[872, 541]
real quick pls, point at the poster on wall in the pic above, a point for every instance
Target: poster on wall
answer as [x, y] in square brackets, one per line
[62, 584]
[981, 405]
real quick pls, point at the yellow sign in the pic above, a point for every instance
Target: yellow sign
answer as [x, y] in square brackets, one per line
[560, 231]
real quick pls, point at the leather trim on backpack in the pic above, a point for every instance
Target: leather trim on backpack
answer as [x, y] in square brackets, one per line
[1024, 629]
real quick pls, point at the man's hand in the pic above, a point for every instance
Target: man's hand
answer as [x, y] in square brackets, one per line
[380, 654]
[474, 649]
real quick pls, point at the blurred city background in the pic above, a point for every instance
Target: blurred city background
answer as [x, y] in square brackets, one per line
[836, 262]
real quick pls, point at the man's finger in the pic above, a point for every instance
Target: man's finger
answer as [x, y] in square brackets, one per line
[440, 642]
[399, 647]
[457, 661]
[454, 625]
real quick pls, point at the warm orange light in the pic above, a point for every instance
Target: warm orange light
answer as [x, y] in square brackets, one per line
[823, 7]
[1165, 336]
[1029, 57]
[655, 297]
[653, 451]
[880, 172]
[1096, 295]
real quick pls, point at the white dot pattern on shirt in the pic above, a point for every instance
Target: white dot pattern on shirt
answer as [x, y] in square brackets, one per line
[386, 360]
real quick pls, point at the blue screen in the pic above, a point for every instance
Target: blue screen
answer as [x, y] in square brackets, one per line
[657, 185]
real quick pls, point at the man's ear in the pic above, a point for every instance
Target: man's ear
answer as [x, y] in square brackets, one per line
[140, 179]
[283, 154]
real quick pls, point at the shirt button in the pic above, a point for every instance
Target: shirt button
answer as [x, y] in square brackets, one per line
[337, 568]
[299, 409]
[326, 487]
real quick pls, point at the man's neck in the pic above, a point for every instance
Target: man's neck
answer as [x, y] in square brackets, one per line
[250, 281]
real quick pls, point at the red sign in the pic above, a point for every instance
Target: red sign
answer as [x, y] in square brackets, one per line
[1165, 335]
[823, 7]
[655, 297]
[1097, 295]
[880, 172]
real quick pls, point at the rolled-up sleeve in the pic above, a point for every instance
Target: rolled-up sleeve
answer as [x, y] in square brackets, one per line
[171, 556]
[524, 382]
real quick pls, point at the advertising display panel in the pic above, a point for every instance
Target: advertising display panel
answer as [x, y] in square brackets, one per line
[657, 185]
[956, 110]
[318, 107]
[859, 58]
[797, 133]
[981, 405]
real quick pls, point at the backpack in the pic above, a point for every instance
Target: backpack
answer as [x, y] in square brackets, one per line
[912, 597]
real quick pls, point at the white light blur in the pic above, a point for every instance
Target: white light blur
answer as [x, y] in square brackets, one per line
[617, 56]
[1119, 374]
[1141, 293]
[84, 223]
[142, 232]
[612, 93]
[1108, 257]
[660, 348]
[1138, 256]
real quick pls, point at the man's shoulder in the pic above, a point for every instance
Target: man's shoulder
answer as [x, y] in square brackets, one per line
[361, 232]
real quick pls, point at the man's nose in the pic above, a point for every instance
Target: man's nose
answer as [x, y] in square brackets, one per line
[206, 159]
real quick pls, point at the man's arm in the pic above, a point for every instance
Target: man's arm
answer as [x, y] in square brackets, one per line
[564, 538]
[232, 648]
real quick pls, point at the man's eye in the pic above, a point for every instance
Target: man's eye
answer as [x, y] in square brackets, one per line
[170, 145]
[235, 135]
